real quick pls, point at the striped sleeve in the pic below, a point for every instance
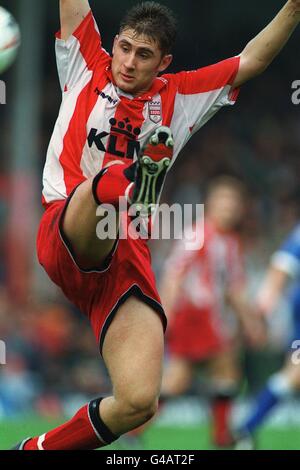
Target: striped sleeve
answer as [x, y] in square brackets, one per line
[204, 91]
[81, 53]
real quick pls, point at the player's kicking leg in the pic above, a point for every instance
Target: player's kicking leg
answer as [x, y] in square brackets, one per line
[141, 183]
[133, 353]
[151, 168]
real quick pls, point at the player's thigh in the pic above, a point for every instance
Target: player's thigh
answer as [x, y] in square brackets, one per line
[80, 227]
[225, 365]
[133, 352]
[177, 376]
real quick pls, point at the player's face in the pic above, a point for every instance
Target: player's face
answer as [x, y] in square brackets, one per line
[226, 207]
[137, 60]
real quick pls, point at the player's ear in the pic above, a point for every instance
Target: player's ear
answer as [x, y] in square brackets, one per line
[115, 42]
[165, 62]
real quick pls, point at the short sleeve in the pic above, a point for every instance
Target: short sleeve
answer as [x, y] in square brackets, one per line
[81, 53]
[204, 91]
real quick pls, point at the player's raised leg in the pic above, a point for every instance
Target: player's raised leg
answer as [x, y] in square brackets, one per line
[80, 219]
[151, 169]
[141, 183]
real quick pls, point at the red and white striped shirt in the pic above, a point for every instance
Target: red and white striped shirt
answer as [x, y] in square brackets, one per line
[209, 272]
[97, 123]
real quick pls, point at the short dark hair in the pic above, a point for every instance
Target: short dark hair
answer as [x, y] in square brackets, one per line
[153, 20]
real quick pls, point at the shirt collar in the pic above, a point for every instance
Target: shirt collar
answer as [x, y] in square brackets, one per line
[158, 84]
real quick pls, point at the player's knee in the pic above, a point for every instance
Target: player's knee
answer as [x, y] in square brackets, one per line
[143, 406]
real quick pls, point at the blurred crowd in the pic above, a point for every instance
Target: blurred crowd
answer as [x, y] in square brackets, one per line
[51, 358]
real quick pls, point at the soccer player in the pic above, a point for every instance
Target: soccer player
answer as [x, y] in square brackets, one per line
[284, 269]
[112, 138]
[197, 289]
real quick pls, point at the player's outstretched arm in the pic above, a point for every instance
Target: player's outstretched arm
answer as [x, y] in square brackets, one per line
[72, 12]
[260, 52]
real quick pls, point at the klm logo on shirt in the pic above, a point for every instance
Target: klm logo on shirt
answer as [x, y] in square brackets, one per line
[110, 141]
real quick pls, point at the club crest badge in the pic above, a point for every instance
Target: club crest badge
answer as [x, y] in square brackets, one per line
[155, 113]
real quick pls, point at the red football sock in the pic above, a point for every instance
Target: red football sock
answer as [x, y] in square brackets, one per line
[110, 184]
[221, 409]
[82, 432]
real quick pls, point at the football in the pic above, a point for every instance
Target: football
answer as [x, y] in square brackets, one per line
[9, 39]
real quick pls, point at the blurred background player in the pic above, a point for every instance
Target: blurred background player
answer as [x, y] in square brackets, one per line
[283, 272]
[197, 288]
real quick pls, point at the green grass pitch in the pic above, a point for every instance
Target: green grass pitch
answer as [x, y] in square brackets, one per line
[156, 437]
